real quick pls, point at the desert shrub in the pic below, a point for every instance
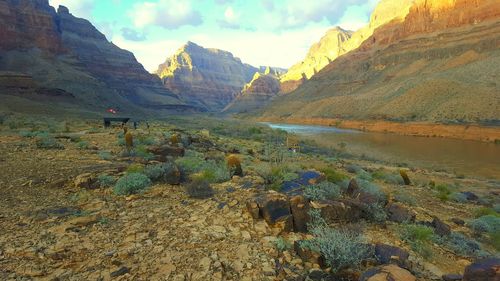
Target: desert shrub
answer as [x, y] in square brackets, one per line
[192, 162]
[209, 170]
[267, 172]
[105, 155]
[131, 183]
[199, 188]
[488, 223]
[458, 197]
[145, 140]
[496, 207]
[341, 249]
[154, 172]
[461, 244]
[322, 191]
[48, 143]
[142, 152]
[419, 238]
[83, 145]
[390, 178]
[405, 197]
[443, 192]
[360, 172]
[282, 244]
[333, 175]
[373, 189]
[234, 165]
[485, 211]
[290, 176]
[214, 172]
[106, 181]
[495, 240]
[375, 212]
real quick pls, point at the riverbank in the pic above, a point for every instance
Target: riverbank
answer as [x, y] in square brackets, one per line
[463, 132]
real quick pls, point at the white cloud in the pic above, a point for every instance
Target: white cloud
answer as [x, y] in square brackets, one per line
[231, 19]
[170, 14]
[79, 8]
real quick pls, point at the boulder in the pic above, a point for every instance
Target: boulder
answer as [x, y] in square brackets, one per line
[440, 228]
[339, 210]
[164, 151]
[471, 196]
[452, 277]
[398, 213]
[253, 209]
[387, 254]
[387, 273]
[458, 221]
[483, 270]
[300, 212]
[172, 174]
[306, 254]
[87, 181]
[353, 189]
[275, 209]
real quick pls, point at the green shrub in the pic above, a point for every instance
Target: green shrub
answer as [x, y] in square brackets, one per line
[83, 145]
[372, 189]
[488, 223]
[405, 197]
[131, 183]
[443, 192]
[106, 181]
[209, 170]
[135, 168]
[105, 155]
[419, 238]
[461, 244]
[322, 191]
[155, 172]
[333, 175]
[199, 189]
[290, 176]
[192, 162]
[485, 211]
[495, 240]
[48, 143]
[282, 244]
[341, 249]
[458, 197]
[388, 177]
[375, 212]
[141, 151]
[496, 207]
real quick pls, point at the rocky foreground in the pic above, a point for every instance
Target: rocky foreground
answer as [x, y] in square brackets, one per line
[63, 215]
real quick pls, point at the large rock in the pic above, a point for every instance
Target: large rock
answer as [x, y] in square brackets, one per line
[339, 210]
[440, 227]
[387, 273]
[300, 212]
[399, 213]
[275, 209]
[483, 270]
[206, 78]
[87, 181]
[388, 254]
[164, 151]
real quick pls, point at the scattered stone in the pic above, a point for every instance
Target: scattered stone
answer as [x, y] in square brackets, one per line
[387, 273]
[122, 271]
[458, 221]
[405, 177]
[387, 254]
[452, 277]
[440, 228]
[470, 195]
[300, 211]
[399, 213]
[483, 270]
[163, 152]
[253, 209]
[339, 210]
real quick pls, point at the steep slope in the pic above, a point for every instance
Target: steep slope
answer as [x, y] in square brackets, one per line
[320, 55]
[65, 54]
[439, 63]
[255, 94]
[207, 78]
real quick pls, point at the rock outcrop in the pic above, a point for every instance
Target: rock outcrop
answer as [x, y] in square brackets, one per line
[433, 65]
[65, 53]
[206, 78]
[255, 94]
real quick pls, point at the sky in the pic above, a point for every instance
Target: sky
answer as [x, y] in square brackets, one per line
[260, 32]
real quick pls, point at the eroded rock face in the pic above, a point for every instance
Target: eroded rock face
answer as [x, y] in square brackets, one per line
[60, 51]
[483, 270]
[421, 66]
[255, 94]
[207, 78]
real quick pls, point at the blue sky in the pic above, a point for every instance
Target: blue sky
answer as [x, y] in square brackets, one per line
[259, 32]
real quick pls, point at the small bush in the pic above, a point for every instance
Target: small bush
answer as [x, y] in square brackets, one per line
[333, 175]
[48, 143]
[290, 176]
[199, 189]
[388, 177]
[418, 237]
[105, 155]
[131, 183]
[376, 212]
[488, 223]
[106, 181]
[443, 192]
[322, 191]
[155, 172]
[496, 207]
[405, 197]
[373, 189]
[458, 197]
[282, 244]
[135, 168]
[83, 145]
[485, 211]
[461, 244]
[341, 249]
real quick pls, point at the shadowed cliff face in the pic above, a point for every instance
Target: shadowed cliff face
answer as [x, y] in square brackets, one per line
[207, 78]
[61, 51]
[435, 64]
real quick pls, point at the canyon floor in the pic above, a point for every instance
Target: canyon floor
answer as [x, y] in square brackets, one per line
[56, 224]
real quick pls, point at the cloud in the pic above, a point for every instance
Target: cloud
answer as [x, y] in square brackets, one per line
[296, 13]
[169, 14]
[133, 35]
[231, 19]
[79, 8]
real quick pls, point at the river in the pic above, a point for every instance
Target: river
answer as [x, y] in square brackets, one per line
[462, 157]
